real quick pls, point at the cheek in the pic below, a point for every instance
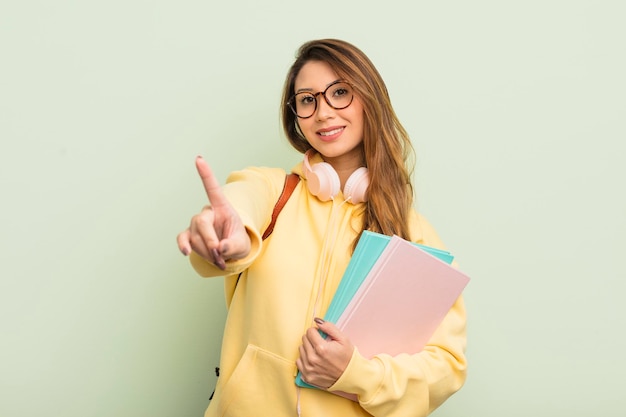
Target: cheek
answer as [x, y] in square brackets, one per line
[358, 119]
[305, 124]
[305, 128]
[358, 115]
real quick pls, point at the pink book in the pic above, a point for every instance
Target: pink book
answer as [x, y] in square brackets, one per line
[402, 301]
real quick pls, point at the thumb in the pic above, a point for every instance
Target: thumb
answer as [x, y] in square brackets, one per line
[329, 328]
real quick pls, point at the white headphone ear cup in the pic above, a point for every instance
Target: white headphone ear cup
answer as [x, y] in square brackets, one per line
[355, 189]
[323, 181]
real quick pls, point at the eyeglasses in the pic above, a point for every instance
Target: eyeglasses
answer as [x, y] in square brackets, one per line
[338, 95]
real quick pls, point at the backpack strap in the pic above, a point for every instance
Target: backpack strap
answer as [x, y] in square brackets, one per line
[291, 181]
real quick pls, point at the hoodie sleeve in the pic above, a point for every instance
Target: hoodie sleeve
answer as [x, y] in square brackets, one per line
[415, 385]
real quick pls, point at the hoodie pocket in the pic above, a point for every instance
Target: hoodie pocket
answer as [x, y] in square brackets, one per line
[262, 384]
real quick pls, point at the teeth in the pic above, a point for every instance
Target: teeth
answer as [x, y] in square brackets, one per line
[331, 132]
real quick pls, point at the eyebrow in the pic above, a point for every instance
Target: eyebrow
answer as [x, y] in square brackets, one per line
[308, 90]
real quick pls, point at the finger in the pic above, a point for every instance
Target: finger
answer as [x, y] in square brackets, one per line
[211, 185]
[307, 346]
[315, 345]
[304, 361]
[202, 229]
[329, 328]
[314, 337]
[200, 247]
[218, 259]
[201, 237]
[232, 247]
[201, 244]
[300, 365]
[183, 242]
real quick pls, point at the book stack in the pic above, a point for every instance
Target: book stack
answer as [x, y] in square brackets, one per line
[393, 295]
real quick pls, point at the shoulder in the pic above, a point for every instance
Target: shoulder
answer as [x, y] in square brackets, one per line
[264, 178]
[423, 232]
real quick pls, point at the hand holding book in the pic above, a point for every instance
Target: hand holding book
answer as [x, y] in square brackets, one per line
[393, 295]
[323, 359]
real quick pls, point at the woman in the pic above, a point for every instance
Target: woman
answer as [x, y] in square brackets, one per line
[336, 110]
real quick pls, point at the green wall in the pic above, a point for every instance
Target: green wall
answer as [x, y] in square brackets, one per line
[517, 112]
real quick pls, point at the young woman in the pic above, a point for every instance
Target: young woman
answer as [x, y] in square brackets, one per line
[355, 176]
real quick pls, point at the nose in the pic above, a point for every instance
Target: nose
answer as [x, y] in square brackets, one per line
[324, 111]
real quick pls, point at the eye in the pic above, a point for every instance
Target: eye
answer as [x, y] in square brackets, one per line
[305, 99]
[341, 90]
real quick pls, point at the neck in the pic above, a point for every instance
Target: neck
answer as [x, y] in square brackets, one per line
[346, 164]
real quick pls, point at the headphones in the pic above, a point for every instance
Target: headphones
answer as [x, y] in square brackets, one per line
[323, 182]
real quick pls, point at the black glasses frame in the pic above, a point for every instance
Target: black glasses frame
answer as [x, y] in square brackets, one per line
[292, 106]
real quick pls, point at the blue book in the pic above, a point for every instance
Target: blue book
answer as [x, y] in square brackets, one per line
[365, 255]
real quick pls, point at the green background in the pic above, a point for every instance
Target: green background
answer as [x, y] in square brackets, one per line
[516, 109]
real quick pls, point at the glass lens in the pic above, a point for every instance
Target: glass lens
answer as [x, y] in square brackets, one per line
[339, 95]
[304, 104]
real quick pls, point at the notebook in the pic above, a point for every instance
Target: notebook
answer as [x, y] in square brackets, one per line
[402, 300]
[393, 295]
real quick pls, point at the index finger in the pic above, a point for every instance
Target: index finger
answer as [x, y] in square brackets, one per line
[211, 185]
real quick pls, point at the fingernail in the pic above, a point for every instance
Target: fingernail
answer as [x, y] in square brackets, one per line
[219, 261]
[318, 321]
[185, 251]
[220, 264]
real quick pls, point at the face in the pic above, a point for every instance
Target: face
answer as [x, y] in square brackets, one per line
[336, 134]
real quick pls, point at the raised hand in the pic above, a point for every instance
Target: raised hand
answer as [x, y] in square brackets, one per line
[216, 233]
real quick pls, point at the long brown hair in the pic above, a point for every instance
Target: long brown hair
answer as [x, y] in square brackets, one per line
[388, 153]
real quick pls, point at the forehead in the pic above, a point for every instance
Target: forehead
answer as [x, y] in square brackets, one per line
[315, 75]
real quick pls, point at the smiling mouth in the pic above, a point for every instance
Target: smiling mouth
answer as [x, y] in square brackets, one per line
[330, 132]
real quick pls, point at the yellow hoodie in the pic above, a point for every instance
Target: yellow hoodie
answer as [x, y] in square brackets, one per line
[278, 295]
